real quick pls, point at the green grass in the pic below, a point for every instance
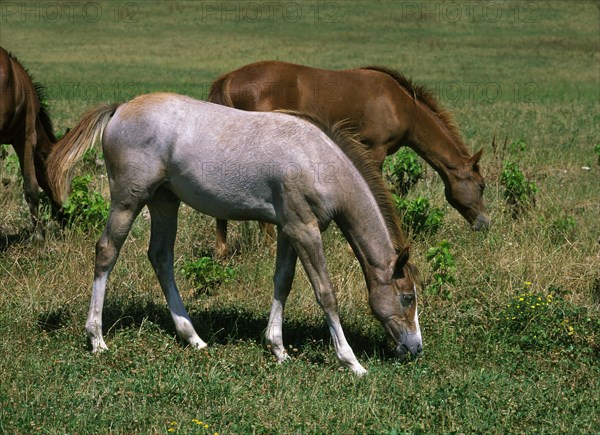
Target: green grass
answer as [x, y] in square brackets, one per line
[480, 371]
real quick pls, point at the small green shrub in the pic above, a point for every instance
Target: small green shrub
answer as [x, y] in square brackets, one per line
[545, 321]
[519, 193]
[419, 215]
[517, 146]
[84, 206]
[403, 170]
[444, 269]
[207, 274]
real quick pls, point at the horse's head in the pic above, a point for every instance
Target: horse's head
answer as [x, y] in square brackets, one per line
[464, 191]
[394, 303]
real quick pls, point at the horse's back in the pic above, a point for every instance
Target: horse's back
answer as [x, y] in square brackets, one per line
[224, 162]
[367, 99]
[7, 96]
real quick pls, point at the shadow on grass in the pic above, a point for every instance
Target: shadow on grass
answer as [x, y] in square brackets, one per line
[223, 325]
[8, 240]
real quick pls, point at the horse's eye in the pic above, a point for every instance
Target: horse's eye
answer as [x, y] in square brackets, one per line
[407, 300]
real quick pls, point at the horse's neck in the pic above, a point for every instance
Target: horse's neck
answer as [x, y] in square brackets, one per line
[44, 143]
[364, 227]
[430, 138]
[43, 147]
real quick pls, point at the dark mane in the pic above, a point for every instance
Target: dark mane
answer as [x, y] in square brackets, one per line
[44, 116]
[359, 155]
[427, 97]
[40, 92]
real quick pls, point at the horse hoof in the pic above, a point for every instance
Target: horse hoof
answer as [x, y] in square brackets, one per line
[99, 347]
[199, 346]
[360, 373]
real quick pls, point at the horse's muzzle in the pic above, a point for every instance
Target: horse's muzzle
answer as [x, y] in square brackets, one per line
[410, 343]
[481, 222]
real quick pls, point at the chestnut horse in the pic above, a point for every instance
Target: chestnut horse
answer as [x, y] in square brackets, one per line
[385, 108]
[161, 149]
[25, 124]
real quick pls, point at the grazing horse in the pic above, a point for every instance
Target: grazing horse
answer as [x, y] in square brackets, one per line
[385, 109]
[161, 149]
[25, 124]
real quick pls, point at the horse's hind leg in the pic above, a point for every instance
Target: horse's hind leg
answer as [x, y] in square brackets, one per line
[285, 269]
[163, 217]
[119, 223]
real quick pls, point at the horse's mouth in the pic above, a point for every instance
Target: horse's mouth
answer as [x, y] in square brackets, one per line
[404, 351]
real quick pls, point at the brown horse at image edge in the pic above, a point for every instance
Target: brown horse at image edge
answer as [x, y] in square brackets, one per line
[26, 125]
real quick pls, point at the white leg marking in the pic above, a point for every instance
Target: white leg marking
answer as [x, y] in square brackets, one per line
[274, 334]
[284, 275]
[343, 350]
[93, 324]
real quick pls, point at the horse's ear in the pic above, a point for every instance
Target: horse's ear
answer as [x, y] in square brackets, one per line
[475, 158]
[400, 263]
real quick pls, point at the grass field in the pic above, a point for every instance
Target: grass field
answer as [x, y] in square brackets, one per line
[492, 363]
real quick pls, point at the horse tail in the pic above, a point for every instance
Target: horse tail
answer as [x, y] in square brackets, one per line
[218, 92]
[70, 149]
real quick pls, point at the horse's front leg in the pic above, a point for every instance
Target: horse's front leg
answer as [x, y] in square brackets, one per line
[308, 244]
[107, 251]
[163, 229]
[285, 269]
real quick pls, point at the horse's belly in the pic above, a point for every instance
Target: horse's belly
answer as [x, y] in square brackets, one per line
[231, 201]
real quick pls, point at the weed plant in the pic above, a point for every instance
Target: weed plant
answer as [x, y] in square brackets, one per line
[419, 215]
[519, 192]
[443, 266]
[402, 170]
[85, 207]
[207, 273]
